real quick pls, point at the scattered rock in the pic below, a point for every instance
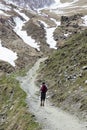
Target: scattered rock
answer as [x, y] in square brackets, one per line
[84, 67]
[86, 82]
[33, 116]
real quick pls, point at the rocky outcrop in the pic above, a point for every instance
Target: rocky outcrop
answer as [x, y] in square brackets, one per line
[70, 25]
[5, 67]
[71, 20]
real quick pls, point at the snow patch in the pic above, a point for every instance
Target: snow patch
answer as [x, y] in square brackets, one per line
[2, 13]
[58, 4]
[49, 35]
[50, 39]
[5, 7]
[84, 20]
[22, 14]
[7, 55]
[56, 22]
[23, 34]
[67, 34]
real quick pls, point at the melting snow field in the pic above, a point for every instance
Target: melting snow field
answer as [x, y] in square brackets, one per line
[58, 4]
[23, 34]
[27, 39]
[7, 55]
[4, 7]
[49, 34]
[2, 13]
[50, 39]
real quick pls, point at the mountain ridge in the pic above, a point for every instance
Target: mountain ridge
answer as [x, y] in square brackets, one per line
[33, 4]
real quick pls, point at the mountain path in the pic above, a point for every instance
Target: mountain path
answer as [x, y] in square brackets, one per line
[50, 117]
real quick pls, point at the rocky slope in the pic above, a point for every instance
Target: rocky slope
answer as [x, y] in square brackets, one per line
[70, 25]
[12, 41]
[32, 4]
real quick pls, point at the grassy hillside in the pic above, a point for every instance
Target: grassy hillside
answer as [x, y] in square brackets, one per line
[65, 71]
[13, 109]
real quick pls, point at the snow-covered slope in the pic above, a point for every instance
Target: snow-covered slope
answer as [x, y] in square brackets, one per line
[46, 19]
[7, 55]
[32, 3]
[68, 7]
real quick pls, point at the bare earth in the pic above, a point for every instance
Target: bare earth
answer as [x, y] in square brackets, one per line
[49, 117]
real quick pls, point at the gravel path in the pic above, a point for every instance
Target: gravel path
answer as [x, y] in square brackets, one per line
[50, 117]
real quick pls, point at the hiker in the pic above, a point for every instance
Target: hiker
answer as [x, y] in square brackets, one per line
[43, 90]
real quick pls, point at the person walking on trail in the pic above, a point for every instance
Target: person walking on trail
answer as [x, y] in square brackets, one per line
[43, 90]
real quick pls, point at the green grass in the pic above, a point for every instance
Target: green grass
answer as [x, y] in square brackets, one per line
[63, 72]
[13, 106]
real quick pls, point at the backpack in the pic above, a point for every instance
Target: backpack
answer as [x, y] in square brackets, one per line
[44, 88]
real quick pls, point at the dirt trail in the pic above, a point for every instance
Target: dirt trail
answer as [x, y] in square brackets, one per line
[50, 117]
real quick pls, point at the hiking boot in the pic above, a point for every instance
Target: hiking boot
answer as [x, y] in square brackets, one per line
[41, 104]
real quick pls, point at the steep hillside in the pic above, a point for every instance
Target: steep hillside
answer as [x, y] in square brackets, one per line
[13, 109]
[70, 25]
[21, 32]
[66, 74]
[11, 40]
